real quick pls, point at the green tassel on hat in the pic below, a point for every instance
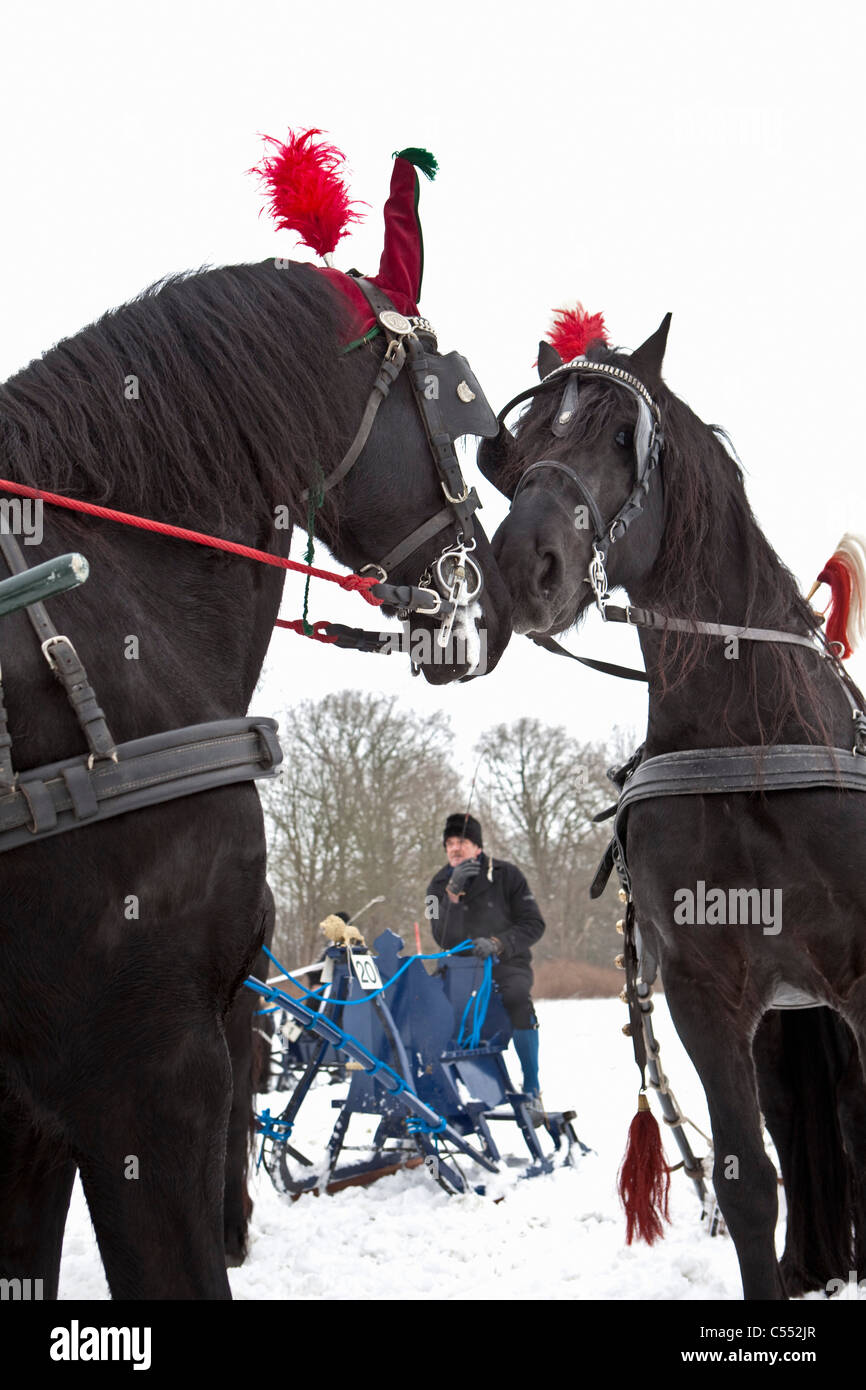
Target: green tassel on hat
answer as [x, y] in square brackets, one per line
[422, 159]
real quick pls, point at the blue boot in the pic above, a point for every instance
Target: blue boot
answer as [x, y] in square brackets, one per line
[526, 1047]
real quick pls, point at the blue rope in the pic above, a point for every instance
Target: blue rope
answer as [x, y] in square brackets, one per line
[461, 1041]
[479, 1002]
[269, 1127]
[417, 1126]
[482, 1003]
[335, 1035]
[308, 994]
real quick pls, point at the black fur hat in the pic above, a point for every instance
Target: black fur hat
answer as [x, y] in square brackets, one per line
[464, 826]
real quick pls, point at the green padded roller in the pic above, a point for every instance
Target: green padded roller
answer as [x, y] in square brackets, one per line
[54, 577]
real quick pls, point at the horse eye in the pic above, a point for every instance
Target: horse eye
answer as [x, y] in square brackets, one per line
[624, 439]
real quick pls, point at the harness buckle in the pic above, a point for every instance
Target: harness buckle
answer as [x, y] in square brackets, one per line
[383, 574]
[52, 642]
[430, 612]
[101, 758]
[464, 496]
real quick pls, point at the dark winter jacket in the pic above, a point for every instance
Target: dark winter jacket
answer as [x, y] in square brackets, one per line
[497, 903]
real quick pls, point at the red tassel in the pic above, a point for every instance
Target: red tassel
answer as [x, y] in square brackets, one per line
[307, 193]
[644, 1178]
[836, 574]
[573, 330]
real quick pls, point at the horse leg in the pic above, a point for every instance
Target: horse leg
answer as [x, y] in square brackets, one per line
[852, 1118]
[811, 1093]
[36, 1176]
[743, 1176]
[152, 1167]
[238, 1204]
[249, 1061]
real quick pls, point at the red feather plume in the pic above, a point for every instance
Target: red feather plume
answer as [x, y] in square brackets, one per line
[306, 190]
[573, 330]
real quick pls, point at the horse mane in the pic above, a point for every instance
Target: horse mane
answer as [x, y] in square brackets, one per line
[703, 484]
[242, 390]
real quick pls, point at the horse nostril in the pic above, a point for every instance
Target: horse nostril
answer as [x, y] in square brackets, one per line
[546, 576]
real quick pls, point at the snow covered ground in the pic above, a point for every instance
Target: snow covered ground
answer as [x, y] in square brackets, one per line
[556, 1237]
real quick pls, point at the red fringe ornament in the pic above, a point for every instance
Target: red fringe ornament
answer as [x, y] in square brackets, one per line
[644, 1178]
[573, 330]
[306, 191]
[845, 573]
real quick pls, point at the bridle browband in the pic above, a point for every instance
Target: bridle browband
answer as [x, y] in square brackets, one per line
[457, 578]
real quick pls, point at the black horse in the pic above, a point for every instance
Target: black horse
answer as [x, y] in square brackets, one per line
[250, 1056]
[213, 401]
[609, 503]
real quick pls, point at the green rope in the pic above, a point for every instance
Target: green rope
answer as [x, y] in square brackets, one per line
[314, 502]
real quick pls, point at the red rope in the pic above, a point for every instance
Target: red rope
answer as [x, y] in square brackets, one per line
[297, 625]
[357, 583]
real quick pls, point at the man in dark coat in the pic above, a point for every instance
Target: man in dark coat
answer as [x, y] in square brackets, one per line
[490, 901]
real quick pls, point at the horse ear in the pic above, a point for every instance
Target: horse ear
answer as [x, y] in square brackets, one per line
[649, 356]
[548, 359]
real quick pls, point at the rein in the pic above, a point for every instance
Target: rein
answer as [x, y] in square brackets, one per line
[361, 584]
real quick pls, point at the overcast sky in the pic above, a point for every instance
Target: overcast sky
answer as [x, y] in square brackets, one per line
[705, 159]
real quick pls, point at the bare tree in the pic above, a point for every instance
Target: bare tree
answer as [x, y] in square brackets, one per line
[357, 814]
[540, 789]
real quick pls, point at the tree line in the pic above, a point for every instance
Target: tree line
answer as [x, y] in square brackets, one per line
[359, 809]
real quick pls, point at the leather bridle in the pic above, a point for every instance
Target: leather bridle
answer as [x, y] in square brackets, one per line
[648, 442]
[454, 580]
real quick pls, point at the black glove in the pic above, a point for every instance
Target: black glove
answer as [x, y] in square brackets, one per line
[486, 946]
[462, 876]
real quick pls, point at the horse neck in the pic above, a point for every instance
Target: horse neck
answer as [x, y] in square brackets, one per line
[737, 691]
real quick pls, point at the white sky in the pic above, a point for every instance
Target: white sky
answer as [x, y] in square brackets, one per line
[705, 159]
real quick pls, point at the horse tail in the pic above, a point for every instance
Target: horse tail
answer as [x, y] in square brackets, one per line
[813, 1095]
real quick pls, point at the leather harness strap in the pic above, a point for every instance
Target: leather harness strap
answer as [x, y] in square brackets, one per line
[778, 767]
[629, 673]
[461, 500]
[147, 771]
[421, 534]
[753, 770]
[389, 369]
[65, 663]
[647, 617]
[7, 772]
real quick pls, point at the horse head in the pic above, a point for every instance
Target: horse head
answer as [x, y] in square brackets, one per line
[404, 513]
[580, 469]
